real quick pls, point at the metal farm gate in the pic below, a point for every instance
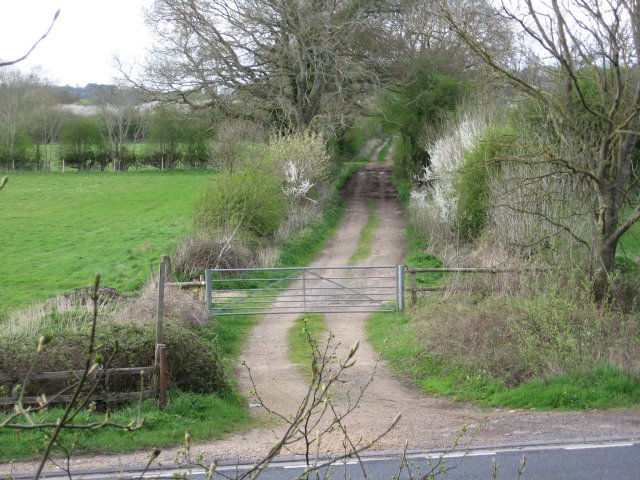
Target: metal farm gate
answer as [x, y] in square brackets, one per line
[266, 291]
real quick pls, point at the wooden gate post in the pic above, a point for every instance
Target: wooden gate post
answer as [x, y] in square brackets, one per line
[162, 278]
[162, 354]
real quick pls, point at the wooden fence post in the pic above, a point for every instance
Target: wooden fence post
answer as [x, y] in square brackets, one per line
[162, 277]
[162, 354]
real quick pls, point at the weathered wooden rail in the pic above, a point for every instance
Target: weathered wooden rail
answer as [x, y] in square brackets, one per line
[100, 375]
[434, 288]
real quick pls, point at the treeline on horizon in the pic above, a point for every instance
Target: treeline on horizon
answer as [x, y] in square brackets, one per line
[44, 127]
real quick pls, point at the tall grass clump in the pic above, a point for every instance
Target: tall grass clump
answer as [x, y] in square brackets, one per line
[551, 327]
[128, 322]
[544, 343]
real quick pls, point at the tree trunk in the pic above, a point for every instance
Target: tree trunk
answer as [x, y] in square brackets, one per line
[605, 264]
[606, 242]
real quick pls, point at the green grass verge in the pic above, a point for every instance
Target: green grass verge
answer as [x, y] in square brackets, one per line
[206, 417]
[57, 230]
[394, 336]
[419, 257]
[367, 235]
[301, 351]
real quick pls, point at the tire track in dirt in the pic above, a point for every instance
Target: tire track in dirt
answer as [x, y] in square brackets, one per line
[281, 384]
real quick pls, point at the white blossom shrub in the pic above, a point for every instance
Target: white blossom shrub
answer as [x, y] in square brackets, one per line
[297, 184]
[432, 205]
[304, 163]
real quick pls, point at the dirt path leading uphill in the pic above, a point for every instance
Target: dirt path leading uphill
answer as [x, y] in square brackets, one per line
[427, 421]
[281, 384]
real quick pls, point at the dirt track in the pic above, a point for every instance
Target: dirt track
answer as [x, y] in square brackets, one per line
[427, 421]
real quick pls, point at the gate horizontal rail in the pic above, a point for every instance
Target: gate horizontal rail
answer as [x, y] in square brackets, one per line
[341, 289]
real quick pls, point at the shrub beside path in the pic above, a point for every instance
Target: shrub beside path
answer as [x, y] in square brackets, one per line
[427, 421]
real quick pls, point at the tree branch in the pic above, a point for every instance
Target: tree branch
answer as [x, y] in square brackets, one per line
[18, 60]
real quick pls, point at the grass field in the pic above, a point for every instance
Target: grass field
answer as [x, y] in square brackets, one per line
[57, 230]
[629, 245]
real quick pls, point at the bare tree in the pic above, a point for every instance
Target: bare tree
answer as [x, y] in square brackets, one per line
[43, 119]
[426, 34]
[579, 63]
[121, 120]
[14, 89]
[228, 149]
[292, 63]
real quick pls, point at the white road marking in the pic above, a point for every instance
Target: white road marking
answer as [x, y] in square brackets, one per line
[605, 445]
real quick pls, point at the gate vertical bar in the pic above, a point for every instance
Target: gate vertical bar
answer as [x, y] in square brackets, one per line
[207, 281]
[400, 287]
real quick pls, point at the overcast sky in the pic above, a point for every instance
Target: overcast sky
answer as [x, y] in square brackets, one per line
[80, 48]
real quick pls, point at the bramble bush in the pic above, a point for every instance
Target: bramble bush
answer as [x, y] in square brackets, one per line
[193, 363]
[249, 212]
[543, 327]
